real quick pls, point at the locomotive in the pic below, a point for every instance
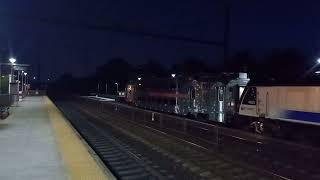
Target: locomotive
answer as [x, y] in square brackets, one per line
[209, 97]
[282, 107]
[230, 99]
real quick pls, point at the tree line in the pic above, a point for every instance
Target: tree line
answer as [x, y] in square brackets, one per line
[278, 64]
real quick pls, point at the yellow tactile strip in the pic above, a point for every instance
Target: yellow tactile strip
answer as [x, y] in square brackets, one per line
[78, 163]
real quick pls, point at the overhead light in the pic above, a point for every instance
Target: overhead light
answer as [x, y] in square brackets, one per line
[173, 75]
[12, 60]
[317, 72]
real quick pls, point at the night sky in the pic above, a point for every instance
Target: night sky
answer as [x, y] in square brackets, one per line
[255, 25]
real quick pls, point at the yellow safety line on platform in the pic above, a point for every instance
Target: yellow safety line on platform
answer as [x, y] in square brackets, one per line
[78, 162]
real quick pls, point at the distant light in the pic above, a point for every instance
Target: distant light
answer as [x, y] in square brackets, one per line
[140, 84]
[12, 60]
[48, 79]
[34, 77]
[25, 73]
[317, 72]
[318, 60]
[173, 75]
[139, 78]
[22, 71]
[116, 83]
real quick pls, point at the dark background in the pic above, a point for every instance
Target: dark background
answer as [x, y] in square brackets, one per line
[256, 26]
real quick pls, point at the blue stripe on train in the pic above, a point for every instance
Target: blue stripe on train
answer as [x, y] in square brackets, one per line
[303, 116]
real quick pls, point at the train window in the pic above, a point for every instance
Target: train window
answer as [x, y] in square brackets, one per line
[241, 89]
[193, 93]
[250, 97]
[220, 94]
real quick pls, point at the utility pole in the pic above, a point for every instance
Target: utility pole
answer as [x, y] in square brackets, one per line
[106, 87]
[226, 31]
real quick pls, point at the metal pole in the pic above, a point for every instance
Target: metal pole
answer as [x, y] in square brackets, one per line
[26, 84]
[22, 85]
[117, 88]
[0, 80]
[106, 88]
[10, 79]
[176, 107]
[11, 73]
[226, 32]
[18, 82]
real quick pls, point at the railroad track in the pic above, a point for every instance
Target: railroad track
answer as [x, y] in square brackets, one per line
[123, 160]
[277, 162]
[183, 159]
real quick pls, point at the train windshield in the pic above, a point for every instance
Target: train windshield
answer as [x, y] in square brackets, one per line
[241, 89]
[250, 96]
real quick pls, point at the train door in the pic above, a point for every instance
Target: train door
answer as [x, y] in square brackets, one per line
[262, 102]
[130, 93]
[192, 97]
[220, 109]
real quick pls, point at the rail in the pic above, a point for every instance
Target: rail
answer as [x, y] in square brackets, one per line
[275, 154]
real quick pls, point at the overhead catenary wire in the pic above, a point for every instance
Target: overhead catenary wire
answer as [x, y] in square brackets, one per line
[111, 28]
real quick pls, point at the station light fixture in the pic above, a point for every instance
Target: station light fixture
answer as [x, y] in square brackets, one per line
[318, 60]
[25, 73]
[173, 75]
[12, 60]
[317, 72]
[139, 78]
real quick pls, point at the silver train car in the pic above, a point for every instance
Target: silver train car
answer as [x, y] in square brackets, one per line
[212, 98]
[280, 107]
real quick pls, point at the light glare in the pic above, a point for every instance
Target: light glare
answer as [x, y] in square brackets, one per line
[12, 60]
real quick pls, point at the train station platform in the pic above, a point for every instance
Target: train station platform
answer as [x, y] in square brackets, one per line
[36, 142]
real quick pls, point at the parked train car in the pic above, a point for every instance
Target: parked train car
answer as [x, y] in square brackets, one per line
[281, 108]
[211, 98]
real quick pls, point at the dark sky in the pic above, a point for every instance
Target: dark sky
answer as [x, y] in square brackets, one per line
[255, 25]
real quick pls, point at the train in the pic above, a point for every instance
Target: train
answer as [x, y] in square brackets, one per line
[282, 107]
[233, 100]
[212, 98]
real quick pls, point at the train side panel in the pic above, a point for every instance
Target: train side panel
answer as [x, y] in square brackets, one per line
[298, 104]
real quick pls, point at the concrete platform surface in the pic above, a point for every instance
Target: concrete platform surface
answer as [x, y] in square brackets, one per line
[30, 148]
